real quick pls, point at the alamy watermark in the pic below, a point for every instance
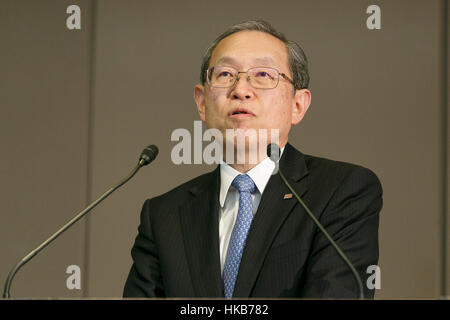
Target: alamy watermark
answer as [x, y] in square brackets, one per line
[374, 280]
[234, 146]
[374, 20]
[74, 280]
[73, 22]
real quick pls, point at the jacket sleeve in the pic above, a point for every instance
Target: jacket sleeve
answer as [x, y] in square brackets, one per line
[351, 217]
[144, 279]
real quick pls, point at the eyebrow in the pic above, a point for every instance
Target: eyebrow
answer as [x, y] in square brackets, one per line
[263, 60]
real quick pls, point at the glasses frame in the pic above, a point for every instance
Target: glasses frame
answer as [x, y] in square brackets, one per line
[236, 77]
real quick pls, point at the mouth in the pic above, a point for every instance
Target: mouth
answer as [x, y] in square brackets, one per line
[240, 113]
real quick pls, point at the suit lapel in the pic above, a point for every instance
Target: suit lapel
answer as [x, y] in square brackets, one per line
[200, 227]
[272, 211]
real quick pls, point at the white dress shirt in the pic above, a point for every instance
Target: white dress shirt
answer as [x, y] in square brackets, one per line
[229, 198]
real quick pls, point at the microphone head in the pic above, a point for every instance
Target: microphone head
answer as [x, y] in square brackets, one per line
[273, 152]
[148, 155]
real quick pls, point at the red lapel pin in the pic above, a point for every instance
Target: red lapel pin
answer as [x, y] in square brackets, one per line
[287, 196]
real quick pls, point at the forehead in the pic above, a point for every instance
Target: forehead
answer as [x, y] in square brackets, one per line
[251, 49]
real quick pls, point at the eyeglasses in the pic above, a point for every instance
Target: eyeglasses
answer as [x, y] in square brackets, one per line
[259, 78]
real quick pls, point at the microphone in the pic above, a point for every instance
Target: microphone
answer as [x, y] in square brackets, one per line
[273, 152]
[148, 155]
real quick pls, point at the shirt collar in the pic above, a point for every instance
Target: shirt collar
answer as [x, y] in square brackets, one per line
[260, 174]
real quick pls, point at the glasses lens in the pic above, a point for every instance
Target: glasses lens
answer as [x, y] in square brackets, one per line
[222, 77]
[260, 78]
[264, 78]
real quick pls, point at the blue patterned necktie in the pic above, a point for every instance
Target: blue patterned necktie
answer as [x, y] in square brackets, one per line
[245, 185]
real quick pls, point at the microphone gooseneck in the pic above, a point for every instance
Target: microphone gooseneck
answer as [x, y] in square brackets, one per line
[148, 155]
[273, 152]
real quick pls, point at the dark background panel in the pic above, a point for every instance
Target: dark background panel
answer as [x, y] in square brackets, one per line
[44, 103]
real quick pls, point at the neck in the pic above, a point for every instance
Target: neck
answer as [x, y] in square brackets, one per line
[243, 167]
[247, 165]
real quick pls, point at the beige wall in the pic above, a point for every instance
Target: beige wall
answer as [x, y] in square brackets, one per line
[84, 103]
[44, 103]
[446, 138]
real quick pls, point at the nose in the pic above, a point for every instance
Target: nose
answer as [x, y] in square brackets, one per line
[242, 89]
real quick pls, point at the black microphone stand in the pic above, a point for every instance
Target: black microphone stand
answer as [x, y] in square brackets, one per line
[144, 160]
[273, 152]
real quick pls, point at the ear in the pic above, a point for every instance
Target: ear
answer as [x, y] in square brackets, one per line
[302, 100]
[199, 97]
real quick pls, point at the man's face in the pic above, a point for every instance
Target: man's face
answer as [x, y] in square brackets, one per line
[276, 108]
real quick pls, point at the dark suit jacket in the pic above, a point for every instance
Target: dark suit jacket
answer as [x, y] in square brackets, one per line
[176, 252]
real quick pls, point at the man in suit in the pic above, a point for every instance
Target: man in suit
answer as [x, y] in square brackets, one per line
[238, 231]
